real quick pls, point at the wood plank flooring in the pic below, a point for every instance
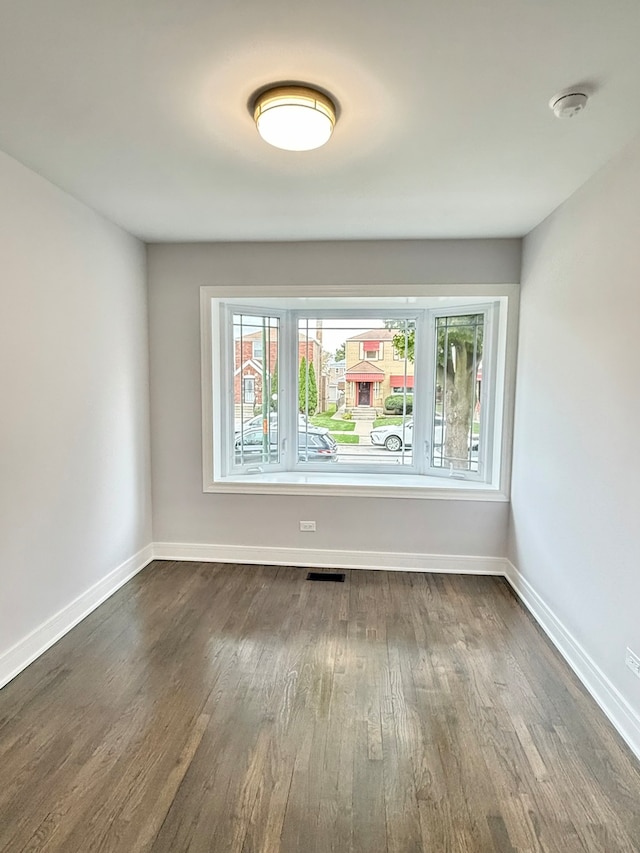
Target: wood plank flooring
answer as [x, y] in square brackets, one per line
[243, 709]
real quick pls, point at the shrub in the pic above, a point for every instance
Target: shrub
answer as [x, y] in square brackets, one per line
[395, 404]
[347, 416]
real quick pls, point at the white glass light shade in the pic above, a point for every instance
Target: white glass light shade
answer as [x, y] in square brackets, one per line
[294, 118]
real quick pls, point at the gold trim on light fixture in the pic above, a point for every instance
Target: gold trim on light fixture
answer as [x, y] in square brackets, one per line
[297, 118]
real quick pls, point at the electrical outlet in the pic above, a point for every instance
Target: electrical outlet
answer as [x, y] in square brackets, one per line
[633, 662]
[308, 526]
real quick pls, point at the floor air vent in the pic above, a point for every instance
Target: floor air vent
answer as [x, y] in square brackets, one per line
[337, 577]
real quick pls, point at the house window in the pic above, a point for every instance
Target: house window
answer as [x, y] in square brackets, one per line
[372, 350]
[445, 393]
[249, 389]
[257, 349]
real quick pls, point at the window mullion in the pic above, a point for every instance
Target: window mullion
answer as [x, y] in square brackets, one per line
[421, 393]
[488, 392]
[227, 371]
[287, 393]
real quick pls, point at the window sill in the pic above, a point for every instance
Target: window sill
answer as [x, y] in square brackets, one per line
[357, 485]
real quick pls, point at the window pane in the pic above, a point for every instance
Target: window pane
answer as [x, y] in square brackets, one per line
[455, 432]
[255, 390]
[364, 413]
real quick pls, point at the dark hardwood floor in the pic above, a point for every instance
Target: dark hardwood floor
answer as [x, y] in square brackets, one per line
[240, 708]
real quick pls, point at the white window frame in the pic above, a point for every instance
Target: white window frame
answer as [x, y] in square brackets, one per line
[341, 482]
[490, 311]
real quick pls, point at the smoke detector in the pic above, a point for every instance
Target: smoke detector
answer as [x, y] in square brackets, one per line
[569, 104]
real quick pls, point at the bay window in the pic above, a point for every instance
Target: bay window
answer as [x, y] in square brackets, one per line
[422, 409]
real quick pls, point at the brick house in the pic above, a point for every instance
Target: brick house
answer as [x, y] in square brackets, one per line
[249, 359]
[373, 369]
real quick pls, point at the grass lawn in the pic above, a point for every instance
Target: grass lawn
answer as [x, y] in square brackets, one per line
[392, 420]
[325, 420]
[341, 438]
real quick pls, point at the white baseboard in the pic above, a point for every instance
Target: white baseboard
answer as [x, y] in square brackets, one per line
[18, 657]
[330, 559]
[623, 717]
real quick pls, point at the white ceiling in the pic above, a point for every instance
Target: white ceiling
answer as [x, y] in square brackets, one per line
[140, 109]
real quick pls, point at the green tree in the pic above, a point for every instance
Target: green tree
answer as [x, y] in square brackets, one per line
[459, 346]
[302, 385]
[313, 390]
[307, 388]
[406, 335]
[340, 353]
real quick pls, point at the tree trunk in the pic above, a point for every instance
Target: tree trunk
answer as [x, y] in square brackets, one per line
[458, 409]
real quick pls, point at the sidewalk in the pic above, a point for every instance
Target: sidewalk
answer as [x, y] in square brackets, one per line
[362, 427]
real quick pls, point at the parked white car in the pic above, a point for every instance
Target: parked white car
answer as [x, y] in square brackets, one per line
[393, 438]
[273, 421]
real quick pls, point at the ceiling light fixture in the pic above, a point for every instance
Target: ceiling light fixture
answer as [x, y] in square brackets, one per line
[295, 118]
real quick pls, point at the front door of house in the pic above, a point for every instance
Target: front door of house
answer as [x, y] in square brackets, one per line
[364, 394]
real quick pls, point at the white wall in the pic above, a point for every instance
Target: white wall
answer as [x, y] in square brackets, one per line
[576, 474]
[74, 427]
[183, 514]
